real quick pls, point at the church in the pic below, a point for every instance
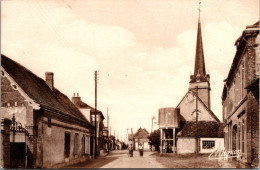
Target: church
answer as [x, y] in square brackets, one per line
[200, 130]
[194, 127]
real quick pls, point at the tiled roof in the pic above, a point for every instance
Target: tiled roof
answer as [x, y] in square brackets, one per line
[37, 89]
[141, 134]
[206, 129]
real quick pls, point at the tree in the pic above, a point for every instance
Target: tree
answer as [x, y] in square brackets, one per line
[154, 139]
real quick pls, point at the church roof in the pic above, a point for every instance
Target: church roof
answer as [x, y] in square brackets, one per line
[37, 89]
[206, 129]
[199, 68]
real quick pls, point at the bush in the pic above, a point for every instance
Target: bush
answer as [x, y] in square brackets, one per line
[154, 139]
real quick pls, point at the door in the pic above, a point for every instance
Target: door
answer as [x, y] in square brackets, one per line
[234, 138]
[17, 155]
[91, 145]
[67, 144]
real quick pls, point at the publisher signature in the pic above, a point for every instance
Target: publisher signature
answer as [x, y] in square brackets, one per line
[221, 153]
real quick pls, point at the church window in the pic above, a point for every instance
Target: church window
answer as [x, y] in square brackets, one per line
[208, 144]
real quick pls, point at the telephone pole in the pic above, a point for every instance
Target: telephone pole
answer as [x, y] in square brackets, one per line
[107, 123]
[197, 138]
[95, 114]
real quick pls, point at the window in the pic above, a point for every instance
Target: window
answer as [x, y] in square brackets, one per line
[208, 144]
[49, 122]
[67, 144]
[243, 136]
[243, 80]
[83, 145]
[76, 143]
[87, 145]
[257, 60]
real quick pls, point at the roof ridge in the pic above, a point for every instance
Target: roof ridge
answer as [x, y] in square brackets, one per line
[37, 82]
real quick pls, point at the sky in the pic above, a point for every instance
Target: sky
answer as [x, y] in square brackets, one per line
[144, 50]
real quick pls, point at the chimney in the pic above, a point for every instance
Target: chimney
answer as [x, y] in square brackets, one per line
[76, 100]
[49, 79]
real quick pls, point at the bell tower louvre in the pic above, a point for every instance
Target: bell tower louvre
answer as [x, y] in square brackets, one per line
[200, 81]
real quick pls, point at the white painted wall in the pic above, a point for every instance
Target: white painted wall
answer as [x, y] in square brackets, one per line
[86, 113]
[186, 145]
[219, 143]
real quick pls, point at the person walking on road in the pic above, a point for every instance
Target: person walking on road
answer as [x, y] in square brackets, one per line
[130, 148]
[141, 150]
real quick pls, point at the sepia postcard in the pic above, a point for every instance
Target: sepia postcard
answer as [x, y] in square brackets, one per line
[89, 84]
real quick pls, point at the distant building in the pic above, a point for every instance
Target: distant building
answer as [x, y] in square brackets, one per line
[47, 130]
[141, 137]
[240, 99]
[89, 113]
[197, 128]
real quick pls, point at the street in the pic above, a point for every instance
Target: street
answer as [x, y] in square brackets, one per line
[120, 159]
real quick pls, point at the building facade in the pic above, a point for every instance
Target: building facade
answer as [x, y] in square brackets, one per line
[240, 99]
[47, 130]
[141, 137]
[89, 113]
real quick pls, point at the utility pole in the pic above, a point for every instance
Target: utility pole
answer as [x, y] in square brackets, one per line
[127, 135]
[95, 114]
[107, 122]
[152, 123]
[197, 138]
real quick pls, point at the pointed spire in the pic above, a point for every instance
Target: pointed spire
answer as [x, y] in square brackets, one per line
[199, 58]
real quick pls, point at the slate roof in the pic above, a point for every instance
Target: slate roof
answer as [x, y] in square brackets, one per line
[206, 129]
[199, 58]
[37, 89]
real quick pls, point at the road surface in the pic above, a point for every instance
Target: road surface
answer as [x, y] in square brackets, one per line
[120, 159]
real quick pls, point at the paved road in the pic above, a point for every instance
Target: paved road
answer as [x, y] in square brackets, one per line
[120, 159]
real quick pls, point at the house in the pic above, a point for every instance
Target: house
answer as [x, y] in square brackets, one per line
[194, 128]
[141, 137]
[89, 113]
[47, 130]
[240, 99]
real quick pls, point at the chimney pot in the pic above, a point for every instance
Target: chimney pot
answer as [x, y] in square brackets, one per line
[49, 79]
[76, 100]
[77, 94]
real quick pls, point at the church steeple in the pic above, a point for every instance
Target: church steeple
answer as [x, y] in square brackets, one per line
[199, 68]
[200, 81]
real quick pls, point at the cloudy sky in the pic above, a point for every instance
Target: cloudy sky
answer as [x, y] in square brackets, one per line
[144, 49]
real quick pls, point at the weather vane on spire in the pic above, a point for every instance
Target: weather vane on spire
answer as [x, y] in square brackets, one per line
[199, 10]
